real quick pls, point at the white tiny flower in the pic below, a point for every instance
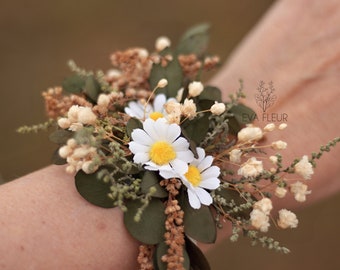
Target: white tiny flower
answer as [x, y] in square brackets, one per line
[265, 205]
[162, 43]
[259, 220]
[103, 100]
[64, 151]
[251, 168]
[159, 146]
[86, 116]
[162, 83]
[217, 108]
[280, 192]
[64, 122]
[142, 53]
[282, 126]
[72, 113]
[300, 191]
[113, 74]
[273, 159]
[269, 127]
[279, 145]
[195, 88]
[76, 126]
[188, 108]
[80, 152]
[250, 133]
[88, 167]
[287, 219]
[235, 155]
[179, 95]
[304, 168]
[200, 175]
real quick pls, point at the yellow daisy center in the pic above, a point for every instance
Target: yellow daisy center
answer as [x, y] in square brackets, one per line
[193, 175]
[162, 153]
[155, 115]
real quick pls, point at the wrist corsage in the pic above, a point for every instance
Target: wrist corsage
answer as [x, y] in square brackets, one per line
[150, 138]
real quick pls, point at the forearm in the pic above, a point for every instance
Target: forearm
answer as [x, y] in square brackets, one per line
[46, 224]
[297, 47]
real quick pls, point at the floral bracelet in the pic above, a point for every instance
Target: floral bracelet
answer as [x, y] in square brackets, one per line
[150, 138]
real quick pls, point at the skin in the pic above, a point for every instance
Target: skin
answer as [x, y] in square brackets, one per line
[45, 224]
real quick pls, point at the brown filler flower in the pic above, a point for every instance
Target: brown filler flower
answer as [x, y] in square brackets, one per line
[174, 237]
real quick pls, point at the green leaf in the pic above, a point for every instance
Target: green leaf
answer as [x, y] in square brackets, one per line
[195, 40]
[172, 72]
[132, 124]
[243, 114]
[92, 88]
[149, 180]
[161, 250]
[60, 136]
[150, 228]
[211, 93]
[93, 190]
[197, 128]
[199, 223]
[197, 259]
[74, 84]
[57, 159]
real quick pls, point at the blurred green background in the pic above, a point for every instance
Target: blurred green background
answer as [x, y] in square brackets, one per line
[38, 38]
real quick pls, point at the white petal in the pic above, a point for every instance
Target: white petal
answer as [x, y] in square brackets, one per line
[210, 183]
[141, 158]
[137, 109]
[205, 163]
[168, 174]
[211, 172]
[193, 200]
[186, 156]
[179, 166]
[141, 137]
[159, 102]
[138, 148]
[174, 131]
[161, 127]
[203, 196]
[181, 144]
[201, 153]
[149, 127]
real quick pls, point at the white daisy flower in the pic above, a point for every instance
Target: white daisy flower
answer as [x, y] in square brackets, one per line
[199, 176]
[159, 146]
[141, 111]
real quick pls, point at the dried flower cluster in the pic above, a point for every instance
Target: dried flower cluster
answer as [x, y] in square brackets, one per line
[150, 137]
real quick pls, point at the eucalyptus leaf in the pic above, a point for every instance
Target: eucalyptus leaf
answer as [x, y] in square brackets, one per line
[132, 124]
[57, 159]
[197, 259]
[211, 93]
[199, 223]
[74, 84]
[93, 189]
[195, 40]
[60, 136]
[149, 180]
[172, 72]
[150, 228]
[92, 88]
[197, 128]
[161, 250]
